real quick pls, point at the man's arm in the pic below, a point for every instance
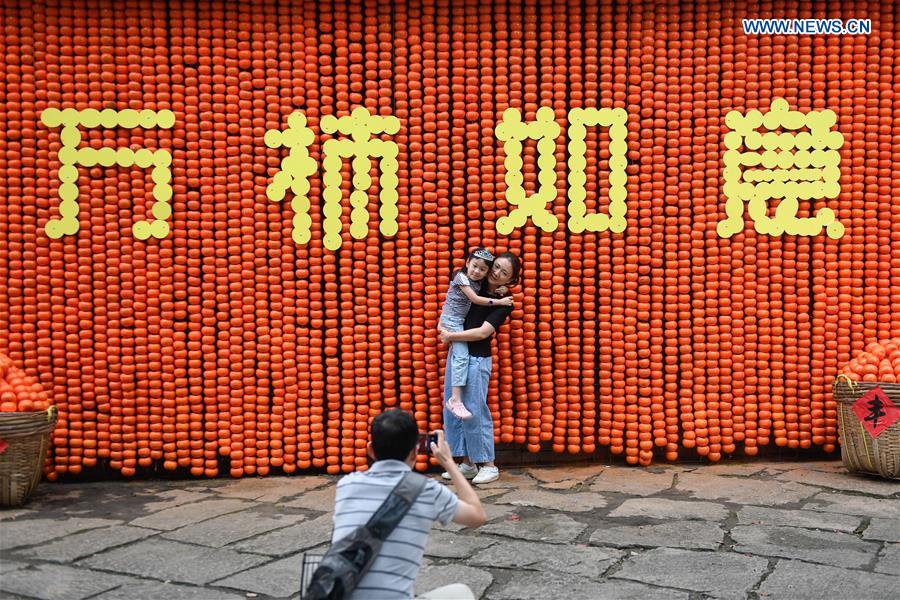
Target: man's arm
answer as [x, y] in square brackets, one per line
[468, 335]
[469, 512]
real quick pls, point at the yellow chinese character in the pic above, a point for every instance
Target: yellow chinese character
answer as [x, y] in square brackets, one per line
[296, 168]
[579, 120]
[70, 156]
[790, 167]
[359, 125]
[512, 131]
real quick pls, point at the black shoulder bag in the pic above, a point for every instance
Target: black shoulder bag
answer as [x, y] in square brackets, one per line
[348, 559]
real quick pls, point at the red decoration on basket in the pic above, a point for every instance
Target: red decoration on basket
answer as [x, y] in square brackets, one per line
[3, 445]
[876, 412]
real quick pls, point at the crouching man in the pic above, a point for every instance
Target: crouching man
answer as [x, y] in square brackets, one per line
[393, 446]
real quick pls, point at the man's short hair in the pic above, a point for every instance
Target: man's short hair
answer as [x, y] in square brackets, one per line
[394, 435]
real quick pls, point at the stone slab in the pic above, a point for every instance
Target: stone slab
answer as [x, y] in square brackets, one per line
[492, 493]
[321, 500]
[847, 504]
[889, 560]
[79, 545]
[556, 474]
[272, 489]
[887, 530]
[444, 544]
[10, 565]
[435, 576]
[800, 580]
[661, 508]
[553, 529]
[574, 502]
[228, 529]
[825, 466]
[828, 547]
[634, 482]
[717, 574]
[58, 582]
[810, 519]
[172, 498]
[670, 534]
[620, 589]
[542, 586]
[138, 589]
[289, 540]
[166, 560]
[846, 481]
[735, 468]
[498, 511]
[565, 484]
[10, 514]
[492, 511]
[30, 532]
[173, 518]
[509, 479]
[578, 559]
[742, 490]
[279, 578]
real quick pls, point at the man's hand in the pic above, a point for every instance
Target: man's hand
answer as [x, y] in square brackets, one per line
[441, 451]
[444, 335]
[470, 512]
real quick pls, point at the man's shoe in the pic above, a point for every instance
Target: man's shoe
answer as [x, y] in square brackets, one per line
[468, 471]
[487, 475]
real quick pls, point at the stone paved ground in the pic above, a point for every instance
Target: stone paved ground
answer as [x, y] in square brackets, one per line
[753, 530]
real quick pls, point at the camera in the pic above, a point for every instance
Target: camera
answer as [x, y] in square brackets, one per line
[425, 441]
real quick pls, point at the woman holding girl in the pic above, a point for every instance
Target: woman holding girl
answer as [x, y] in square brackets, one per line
[473, 439]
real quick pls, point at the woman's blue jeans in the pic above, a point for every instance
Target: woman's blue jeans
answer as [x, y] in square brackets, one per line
[473, 437]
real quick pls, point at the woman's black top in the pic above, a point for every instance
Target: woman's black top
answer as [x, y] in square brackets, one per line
[478, 316]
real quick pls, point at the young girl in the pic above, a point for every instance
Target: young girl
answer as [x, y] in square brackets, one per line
[463, 292]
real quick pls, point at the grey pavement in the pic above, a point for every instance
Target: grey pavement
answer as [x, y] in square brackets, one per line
[759, 530]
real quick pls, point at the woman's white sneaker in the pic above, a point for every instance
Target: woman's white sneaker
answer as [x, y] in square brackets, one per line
[468, 471]
[487, 475]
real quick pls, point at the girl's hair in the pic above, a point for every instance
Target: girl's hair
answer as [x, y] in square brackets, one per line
[516, 266]
[479, 252]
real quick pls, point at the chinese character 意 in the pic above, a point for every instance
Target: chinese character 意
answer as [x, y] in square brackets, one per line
[790, 167]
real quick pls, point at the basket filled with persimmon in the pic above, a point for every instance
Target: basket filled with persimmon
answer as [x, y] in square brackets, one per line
[868, 396]
[26, 421]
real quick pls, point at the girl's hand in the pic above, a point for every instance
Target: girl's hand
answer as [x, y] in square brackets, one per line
[508, 301]
[444, 335]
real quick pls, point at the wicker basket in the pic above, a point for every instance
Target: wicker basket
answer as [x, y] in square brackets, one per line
[28, 436]
[860, 452]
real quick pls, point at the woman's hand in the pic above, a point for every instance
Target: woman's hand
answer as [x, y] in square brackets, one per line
[444, 335]
[502, 290]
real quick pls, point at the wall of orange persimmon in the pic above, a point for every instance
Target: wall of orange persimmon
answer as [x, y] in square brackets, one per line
[227, 339]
